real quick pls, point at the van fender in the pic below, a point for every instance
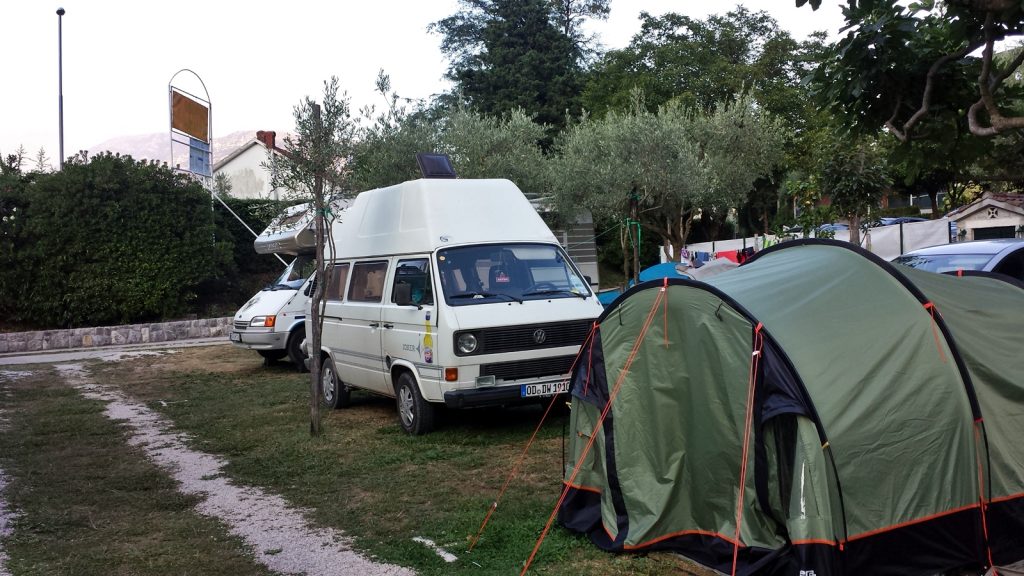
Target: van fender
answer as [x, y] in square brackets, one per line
[431, 391]
[295, 324]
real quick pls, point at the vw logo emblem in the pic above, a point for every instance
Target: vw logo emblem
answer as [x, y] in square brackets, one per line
[539, 336]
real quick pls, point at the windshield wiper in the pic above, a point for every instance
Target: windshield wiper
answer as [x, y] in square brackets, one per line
[485, 295]
[562, 291]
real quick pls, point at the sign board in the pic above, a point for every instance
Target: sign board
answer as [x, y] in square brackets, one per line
[189, 116]
[199, 157]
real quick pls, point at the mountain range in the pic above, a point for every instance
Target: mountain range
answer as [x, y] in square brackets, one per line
[158, 146]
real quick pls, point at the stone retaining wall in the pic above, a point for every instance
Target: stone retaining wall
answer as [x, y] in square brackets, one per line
[114, 335]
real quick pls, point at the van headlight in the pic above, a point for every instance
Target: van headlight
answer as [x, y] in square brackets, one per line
[466, 343]
[262, 321]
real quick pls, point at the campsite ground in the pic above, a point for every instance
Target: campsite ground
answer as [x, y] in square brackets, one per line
[81, 493]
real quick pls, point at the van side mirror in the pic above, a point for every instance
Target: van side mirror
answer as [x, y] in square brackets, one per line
[587, 278]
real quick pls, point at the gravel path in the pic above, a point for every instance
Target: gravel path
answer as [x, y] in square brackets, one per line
[278, 534]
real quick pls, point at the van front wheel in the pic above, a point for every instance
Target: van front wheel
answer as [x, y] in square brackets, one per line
[415, 414]
[271, 356]
[295, 352]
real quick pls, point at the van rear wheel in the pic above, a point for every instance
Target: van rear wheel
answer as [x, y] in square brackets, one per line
[415, 415]
[335, 393]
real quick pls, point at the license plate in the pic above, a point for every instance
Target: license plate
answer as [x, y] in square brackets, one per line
[547, 389]
[235, 337]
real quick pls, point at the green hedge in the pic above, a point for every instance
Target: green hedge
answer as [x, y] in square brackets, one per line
[111, 240]
[250, 271]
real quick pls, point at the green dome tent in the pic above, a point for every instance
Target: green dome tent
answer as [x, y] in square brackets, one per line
[868, 417]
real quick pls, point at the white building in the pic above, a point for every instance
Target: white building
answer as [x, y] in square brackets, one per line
[245, 171]
[991, 216]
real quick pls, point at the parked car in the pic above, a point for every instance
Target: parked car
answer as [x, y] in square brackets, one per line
[889, 221]
[901, 220]
[1004, 256]
[833, 227]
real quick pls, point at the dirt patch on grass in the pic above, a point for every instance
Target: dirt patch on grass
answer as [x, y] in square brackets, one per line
[222, 359]
[279, 535]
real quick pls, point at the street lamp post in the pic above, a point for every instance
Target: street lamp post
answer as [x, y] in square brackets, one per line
[60, 87]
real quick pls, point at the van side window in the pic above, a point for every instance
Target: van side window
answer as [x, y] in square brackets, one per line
[415, 273]
[336, 287]
[367, 281]
[1012, 265]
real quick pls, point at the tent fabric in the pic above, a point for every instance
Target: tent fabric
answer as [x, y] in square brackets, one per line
[987, 319]
[663, 270]
[887, 407]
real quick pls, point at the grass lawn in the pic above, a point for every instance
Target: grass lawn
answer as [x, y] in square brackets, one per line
[364, 476]
[88, 504]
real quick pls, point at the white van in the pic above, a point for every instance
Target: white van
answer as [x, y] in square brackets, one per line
[454, 292]
[272, 321]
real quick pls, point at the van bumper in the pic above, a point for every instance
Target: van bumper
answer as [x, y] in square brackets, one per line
[259, 340]
[494, 396]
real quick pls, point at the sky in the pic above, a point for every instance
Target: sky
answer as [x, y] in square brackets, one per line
[256, 59]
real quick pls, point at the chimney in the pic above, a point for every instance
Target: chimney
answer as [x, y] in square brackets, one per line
[268, 138]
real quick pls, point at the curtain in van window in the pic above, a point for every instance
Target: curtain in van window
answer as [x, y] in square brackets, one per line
[336, 287]
[367, 281]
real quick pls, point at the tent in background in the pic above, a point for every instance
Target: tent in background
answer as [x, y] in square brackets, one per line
[671, 270]
[663, 270]
[867, 419]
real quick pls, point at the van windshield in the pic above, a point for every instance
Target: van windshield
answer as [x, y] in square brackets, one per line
[295, 274]
[507, 273]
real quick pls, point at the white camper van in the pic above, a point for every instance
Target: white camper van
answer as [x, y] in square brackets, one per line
[453, 292]
[272, 321]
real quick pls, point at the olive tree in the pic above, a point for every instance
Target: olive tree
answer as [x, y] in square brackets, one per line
[317, 165]
[479, 146]
[662, 168]
[485, 147]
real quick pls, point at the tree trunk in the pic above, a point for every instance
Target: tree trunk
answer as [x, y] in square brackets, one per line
[675, 235]
[316, 363]
[855, 229]
[315, 358]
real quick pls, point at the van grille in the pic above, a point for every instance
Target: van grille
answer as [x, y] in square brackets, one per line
[528, 368]
[517, 338]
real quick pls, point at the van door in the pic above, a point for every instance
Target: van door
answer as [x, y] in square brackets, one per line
[410, 323]
[358, 356]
